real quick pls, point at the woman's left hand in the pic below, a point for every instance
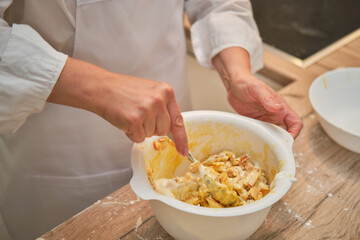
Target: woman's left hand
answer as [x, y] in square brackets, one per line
[251, 97]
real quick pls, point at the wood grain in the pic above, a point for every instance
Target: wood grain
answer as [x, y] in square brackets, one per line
[280, 69]
[344, 57]
[114, 216]
[354, 45]
[149, 229]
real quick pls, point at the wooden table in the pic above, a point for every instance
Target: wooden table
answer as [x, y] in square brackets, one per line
[323, 204]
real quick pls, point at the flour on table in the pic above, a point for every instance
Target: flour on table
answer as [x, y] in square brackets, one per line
[115, 202]
[309, 224]
[288, 209]
[309, 188]
[131, 202]
[298, 217]
[135, 201]
[138, 223]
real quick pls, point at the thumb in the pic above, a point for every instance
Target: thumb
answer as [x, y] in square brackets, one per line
[294, 124]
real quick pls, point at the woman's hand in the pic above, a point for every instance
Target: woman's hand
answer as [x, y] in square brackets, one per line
[143, 108]
[251, 97]
[140, 107]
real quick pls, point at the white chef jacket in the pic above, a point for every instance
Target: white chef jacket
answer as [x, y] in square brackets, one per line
[57, 162]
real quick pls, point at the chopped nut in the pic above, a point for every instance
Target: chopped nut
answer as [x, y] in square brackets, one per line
[255, 193]
[213, 204]
[248, 166]
[164, 139]
[244, 157]
[235, 161]
[219, 166]
[162, 143]
[159, 146]
[207, 163]
[264, 191]
[195, 168]
[253, 177]
[232, 172]
[228, 164]
[222, 178]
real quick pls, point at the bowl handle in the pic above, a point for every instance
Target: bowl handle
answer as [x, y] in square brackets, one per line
[139, 178]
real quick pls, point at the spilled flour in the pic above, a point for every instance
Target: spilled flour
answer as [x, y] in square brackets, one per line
[137, 225]
[297, 216]
[309, 224]
[131, 202]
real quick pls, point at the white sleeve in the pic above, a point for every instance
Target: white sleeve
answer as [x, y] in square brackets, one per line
[29, 69]
[219, 24]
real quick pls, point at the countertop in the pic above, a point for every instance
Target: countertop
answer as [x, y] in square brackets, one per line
[323, 204]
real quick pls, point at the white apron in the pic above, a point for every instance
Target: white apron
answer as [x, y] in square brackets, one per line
[64, 159]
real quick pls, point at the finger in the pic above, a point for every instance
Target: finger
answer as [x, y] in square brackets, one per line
[149, 126]
[136, 134]
[178, 128]
[293, 123]
[163, 123]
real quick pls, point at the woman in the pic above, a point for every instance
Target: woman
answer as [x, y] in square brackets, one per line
[98, 56]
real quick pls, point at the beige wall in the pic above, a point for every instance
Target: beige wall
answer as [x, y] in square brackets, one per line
[207, 90]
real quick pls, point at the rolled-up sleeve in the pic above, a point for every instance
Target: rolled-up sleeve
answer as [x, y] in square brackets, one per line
[29, 69]
[220, 24]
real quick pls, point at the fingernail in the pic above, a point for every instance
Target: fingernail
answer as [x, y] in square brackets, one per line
[185, 152]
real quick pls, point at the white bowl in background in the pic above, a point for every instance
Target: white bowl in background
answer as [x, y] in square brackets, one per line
[335, 97]
[210, 132]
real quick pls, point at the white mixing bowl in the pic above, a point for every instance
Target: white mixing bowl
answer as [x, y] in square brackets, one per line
[211, 132]
[335, 97]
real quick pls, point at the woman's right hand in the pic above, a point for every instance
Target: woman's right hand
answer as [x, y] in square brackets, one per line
[140, 107]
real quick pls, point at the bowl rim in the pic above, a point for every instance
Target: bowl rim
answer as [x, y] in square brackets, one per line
[316, 108]
[258, 205]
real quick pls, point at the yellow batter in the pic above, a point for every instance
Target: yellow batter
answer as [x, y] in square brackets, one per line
[222, 180]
